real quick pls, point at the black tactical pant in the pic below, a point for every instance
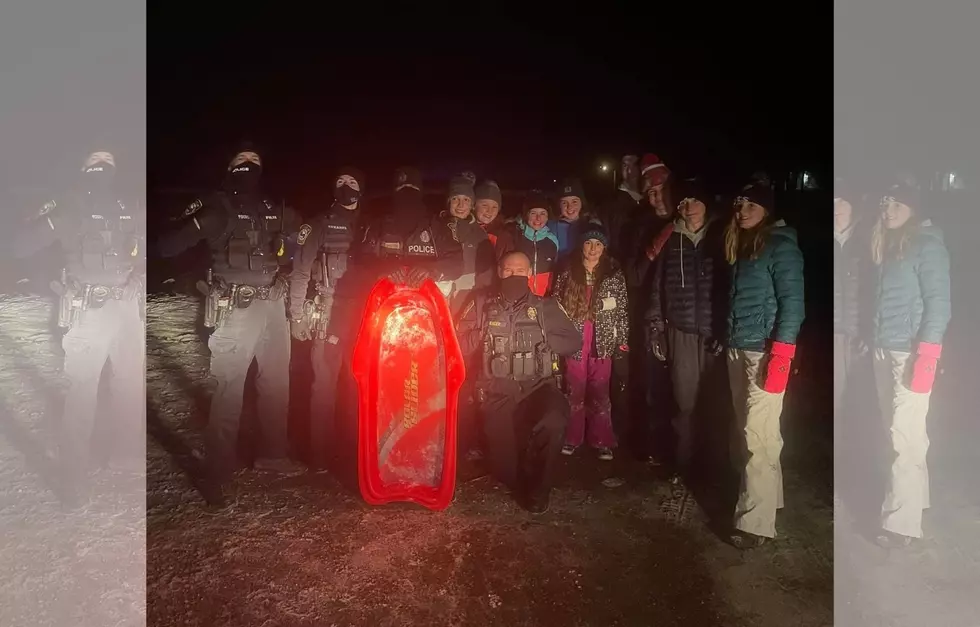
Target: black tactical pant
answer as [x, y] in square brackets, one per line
[524, 436]
[259, 331]
[333, 389]
[113, 332]
[619, 395]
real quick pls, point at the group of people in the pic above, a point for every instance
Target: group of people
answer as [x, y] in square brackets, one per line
[629, 311]
[623, 308]
[892, 306]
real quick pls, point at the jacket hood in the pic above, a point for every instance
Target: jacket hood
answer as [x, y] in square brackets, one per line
[781, 229]
[928, 229]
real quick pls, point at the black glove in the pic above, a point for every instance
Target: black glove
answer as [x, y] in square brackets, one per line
[416, 277]
[714, 347]
[300, 329]
[413, 277]
[399, 276]
[860, 347]
[658, 345]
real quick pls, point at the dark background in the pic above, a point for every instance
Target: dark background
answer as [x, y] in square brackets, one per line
[521, 98]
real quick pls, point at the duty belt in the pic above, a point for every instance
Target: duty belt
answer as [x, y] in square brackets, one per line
[99, 294]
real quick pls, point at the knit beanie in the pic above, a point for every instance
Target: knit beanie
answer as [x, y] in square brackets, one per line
[460, 186]
[489, 190]
[352, 172]
[595, 232]
[535, 199]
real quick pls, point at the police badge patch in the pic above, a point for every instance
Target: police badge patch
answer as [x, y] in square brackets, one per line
[532, 313]
[304, 232]
[424, 236]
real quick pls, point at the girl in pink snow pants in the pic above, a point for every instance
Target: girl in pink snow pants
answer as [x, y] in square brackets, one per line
[593, 292]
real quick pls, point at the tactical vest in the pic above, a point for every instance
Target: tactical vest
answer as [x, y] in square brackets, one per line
[418, 244]
[254, 247]
[335, 243]
[515, 343]
[109, 245]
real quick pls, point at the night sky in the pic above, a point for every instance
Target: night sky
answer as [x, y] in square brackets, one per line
[514, 99]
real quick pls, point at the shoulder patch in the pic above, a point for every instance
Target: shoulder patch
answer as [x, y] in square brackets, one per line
[304, 232]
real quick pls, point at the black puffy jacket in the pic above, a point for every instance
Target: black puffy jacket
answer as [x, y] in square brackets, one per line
[689, 290]
[850, 254]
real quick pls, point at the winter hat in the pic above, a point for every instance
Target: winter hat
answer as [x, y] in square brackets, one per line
[653, 170]
[758, 192]
[690, 188]
[461, 186]
[352, 172]
[535, 199]
[489, 190]
[595, 232]
[904, 190]
[571, 187]
[407, 176]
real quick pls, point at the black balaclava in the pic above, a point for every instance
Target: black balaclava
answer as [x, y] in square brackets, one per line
[514, 288]
[408, 208]
[245, 171]
[346, 195]
[98, 173]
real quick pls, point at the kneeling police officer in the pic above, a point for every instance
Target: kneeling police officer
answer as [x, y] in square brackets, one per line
[520, 336]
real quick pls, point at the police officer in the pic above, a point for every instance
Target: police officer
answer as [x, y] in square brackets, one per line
[409, 243]
[324, 247]
[102, 293]
[245, 306]
[525, 412]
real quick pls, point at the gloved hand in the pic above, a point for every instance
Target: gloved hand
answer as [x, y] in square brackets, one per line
[658, 344]
[300, 329]
[608, 303]
[399, 276]
[416, 277]
[924, 368]
[413, 277]
[714, 347]
[778, 367]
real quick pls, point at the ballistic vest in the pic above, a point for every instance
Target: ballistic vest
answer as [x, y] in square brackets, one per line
[253, 247]
[514, 347]
[108, 245]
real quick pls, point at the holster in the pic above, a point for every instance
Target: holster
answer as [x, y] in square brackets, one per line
[70, 302]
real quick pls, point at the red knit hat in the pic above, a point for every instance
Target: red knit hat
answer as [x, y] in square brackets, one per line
[653, 169]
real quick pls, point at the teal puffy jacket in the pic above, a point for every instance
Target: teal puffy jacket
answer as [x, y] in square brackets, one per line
[912, 302]
[766, 296]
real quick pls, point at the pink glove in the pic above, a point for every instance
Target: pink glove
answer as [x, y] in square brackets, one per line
[778, 369]
[924, 367]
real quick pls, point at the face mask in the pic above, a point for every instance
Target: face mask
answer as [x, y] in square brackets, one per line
[244, 177]
[514, 287]
[346, 195]
[98, 177]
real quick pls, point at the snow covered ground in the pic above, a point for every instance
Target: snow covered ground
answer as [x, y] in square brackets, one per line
[58, 566]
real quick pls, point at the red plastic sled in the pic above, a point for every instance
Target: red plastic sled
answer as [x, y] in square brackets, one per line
[409, 370]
